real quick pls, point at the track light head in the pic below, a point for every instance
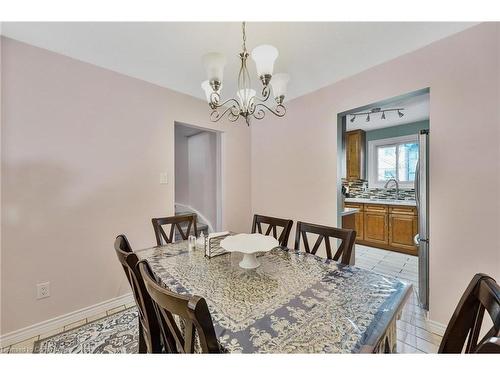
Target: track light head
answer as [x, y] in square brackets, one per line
[383, 116]
[353, 118]
[401, 114]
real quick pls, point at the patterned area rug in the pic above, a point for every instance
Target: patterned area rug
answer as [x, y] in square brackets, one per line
[118, 333]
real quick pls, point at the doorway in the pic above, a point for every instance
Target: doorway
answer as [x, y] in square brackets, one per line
[383, 182]
[198, 175]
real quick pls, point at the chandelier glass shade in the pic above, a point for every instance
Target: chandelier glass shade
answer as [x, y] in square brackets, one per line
[246, 104]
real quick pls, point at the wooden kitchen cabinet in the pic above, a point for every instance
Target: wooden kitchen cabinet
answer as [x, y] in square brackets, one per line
[376, 230]
[402, 230]
[355, 154]
[358, 219]
[389, 227]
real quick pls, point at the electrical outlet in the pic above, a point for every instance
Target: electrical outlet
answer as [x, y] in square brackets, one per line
[42, 290]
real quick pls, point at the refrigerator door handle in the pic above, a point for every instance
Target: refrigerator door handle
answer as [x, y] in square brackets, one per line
[417, 184]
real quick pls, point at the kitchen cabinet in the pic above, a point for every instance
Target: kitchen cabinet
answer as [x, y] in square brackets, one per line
[402, 229]
[358, 219]
[376, 229]
[386, 226]
[355, 154]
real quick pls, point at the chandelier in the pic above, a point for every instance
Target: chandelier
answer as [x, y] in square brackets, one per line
[247, 104]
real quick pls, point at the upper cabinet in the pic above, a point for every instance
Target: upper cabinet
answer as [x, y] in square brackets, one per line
[355, 154]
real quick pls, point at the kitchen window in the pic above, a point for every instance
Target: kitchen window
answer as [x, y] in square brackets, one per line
[392, 158]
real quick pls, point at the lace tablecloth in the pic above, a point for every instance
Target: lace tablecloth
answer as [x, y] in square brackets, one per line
[293, 303]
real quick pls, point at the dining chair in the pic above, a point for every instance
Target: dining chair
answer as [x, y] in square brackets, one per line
[347, 237]
[482, 294]
[175, 222]
[273, 223]
[149, 330]
[194, 331]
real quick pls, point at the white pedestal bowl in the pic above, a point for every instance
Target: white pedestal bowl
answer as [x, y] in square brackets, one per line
[249, 245]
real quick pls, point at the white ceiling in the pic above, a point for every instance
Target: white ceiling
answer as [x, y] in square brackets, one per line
[415, 109]
[168, 54]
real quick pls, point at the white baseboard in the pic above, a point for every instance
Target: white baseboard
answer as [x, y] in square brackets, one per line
[62, 320]
[436, 327]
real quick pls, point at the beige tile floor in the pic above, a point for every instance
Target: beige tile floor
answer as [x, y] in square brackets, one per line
[413, 332]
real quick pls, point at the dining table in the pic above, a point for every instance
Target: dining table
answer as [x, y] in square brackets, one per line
[294, 302]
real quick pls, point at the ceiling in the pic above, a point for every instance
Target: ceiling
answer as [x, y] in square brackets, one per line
[416, 109]
[168, 54]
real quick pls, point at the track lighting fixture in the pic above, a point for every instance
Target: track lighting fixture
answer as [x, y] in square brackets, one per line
[377, 110]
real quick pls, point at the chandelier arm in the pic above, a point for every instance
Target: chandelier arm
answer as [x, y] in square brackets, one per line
[234, 113]
[266, 93]
[214, 99]
[259, 114]
[236, 104]
[279, 111]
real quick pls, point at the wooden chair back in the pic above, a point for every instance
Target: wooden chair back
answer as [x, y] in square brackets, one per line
[324, 233]
[149, 332]
[175, 222]
[482, 294]
[273, 223]
[193, 311]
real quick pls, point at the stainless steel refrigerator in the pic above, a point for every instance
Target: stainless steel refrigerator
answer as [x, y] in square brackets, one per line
[422, 198]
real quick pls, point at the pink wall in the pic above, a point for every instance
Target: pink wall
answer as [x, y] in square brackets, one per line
[294, 165]
[82, 153]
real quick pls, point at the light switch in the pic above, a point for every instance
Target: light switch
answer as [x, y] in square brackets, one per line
[163, 178]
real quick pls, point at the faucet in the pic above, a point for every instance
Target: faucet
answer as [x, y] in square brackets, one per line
[397, 186]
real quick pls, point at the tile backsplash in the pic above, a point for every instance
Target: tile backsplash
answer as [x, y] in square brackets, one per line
[359, 189]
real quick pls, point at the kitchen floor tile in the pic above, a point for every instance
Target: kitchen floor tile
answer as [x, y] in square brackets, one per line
[426, 346]
[428, 336]
[389, 266]
[407, 337]
[404, 348]
[393, 262]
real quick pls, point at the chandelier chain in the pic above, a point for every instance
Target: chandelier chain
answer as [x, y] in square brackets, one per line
[244, 37]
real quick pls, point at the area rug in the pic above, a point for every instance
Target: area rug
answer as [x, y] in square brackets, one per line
[117, 333]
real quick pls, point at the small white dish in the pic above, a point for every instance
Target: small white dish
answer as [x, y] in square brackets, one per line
[249, 245]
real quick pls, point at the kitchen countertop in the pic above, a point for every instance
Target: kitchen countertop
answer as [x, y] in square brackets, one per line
[382, 201]
[349, 211]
